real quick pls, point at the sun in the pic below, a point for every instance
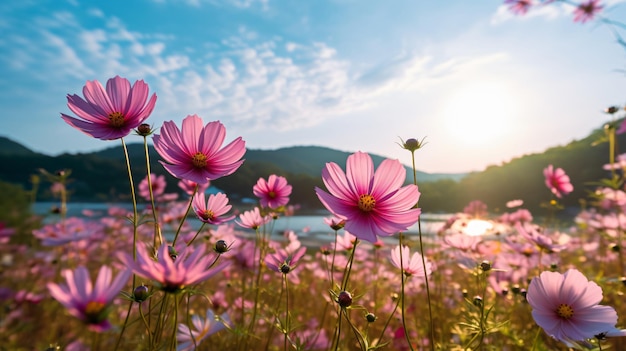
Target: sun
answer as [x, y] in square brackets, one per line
[480, 112]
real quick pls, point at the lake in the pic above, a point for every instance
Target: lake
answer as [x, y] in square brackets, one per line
[312, 225]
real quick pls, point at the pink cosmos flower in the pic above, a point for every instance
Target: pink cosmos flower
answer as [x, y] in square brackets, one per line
[519, 7]
[173, 274]
[411, 265]
[158, 186]
[189, 339]
[586, 11]
[567, 306]
[557, 181]
[282, 261]
[212, 210]
[85, 301]
[112, 113]
[273, 192]
[189, 187]
[372, 203]
[252, 219]
[194, 153]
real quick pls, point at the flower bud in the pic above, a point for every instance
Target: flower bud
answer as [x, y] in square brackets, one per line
[220, 246]
[172, 252]
[478, 301]
[371, 318]
[285, 268]
[515, 289]
[485, 266]
[344, 299]
[611, 109]
[141, 293]
[144, 129]
[614, 247]
[464, 292]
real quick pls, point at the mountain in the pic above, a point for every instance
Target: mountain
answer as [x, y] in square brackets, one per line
[10, 147]
[102, 175]
[308, 160]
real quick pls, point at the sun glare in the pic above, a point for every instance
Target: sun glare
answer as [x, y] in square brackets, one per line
[479, 112]
[477, 227]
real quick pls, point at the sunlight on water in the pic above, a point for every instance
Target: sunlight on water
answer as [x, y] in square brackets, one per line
[476, 227]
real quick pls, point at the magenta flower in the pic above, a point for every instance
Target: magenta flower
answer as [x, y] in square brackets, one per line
[85, 301]
[189, 339]
[282, 261]
[411, 265]
[519, 7]
[557, 181]
[213, 210]
[586, 11]
[252, 219]
[372, 203]
[194, 153]
[173, 273]
[567, 306]
[273, 192]
[112, 113]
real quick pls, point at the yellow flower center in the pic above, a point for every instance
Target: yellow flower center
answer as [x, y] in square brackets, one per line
[565, 311]
[272, 195]
[94, 310]
[117, 119]
[208, 215]
[366, 202]
[199, 160]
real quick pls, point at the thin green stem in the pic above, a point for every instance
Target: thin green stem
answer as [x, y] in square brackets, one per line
[402, 308]
[197, 233]
[158, 238]
[174, 340]
[145, 322]
[287, 321]
[382, 333]
[419, 226]
[119, 338]
[182, 221]
[134, 199]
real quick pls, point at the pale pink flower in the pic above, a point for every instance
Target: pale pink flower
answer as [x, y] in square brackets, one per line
[85, 301]
[213, 210]
[189, 187]
[476, 209]
[514, 203]
[252, 219]
[586, 11]
[372, 203]
[284, 262]
[567, 306]
[194, 153]
[557, 181]
[158, 186]
[411, 265]
[519, 7]
[189, 339]
[273, 192]
[173, 274]
[112, 113]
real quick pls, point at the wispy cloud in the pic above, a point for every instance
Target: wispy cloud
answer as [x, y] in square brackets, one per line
[247, 79]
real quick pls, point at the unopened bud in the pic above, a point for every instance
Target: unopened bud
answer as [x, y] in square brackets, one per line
[172, 252]
[611, 109]
[144, 129]
[485, 266]
[478, 301]
[141, 293]
[344, 299]
[285, 268]
[371, 318]
[221, 246]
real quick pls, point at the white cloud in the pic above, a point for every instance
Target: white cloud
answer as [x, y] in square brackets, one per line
[249, 81]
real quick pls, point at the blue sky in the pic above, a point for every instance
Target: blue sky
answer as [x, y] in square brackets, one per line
[482, 85]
